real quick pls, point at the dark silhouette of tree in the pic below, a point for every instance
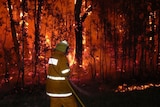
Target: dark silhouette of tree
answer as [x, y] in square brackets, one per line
[7, 57]
[24, 34]
[78, 31]
[15, 40]
[37, 32]
[79, 28]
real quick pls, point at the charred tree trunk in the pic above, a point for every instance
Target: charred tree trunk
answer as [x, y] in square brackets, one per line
[6, 59]
[15, 41]
[24, 10]
[78, 31]
[115, 42]
[142, 60]
[134, 52]
[37, 33]
[158, 55]
[79, 19]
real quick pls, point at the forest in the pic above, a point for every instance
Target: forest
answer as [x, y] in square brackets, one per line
[109, 40]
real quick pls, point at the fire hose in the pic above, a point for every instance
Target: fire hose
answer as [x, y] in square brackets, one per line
[75, 94]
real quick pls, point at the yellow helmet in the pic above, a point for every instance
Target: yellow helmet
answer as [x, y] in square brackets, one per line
[62, 46]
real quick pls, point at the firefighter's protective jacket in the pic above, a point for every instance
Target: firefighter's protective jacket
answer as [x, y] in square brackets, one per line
[58, 71]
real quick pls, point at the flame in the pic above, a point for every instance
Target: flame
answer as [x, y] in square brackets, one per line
[71, 58]
[86, 53]
[21, 14]
[75, 1]
[10, 78]
[30, 74]
[47, 41]
[86, 58]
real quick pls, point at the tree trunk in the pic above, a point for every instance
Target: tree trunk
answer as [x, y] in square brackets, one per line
[6, 59]
[37, 33]
[24, 10]
[115, 42]
[78, 31]
[158, 55]
[15, 41]
[79, 19]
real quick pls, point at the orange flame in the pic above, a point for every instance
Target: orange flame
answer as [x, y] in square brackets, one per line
[71, 58]
[125, 88]
[47, 41]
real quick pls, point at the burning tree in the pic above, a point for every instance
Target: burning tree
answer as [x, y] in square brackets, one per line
[119, 38]
[14, 36]
[37, 32]
[19, 35]
[79, 19]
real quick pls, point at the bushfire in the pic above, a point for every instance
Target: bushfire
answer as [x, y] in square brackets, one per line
[125, 88]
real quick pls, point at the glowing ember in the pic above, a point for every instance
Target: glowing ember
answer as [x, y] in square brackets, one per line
[10, 78]
[30, 74]
[125, 88]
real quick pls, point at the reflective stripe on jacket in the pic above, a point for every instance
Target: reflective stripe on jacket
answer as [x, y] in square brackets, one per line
[59, 95]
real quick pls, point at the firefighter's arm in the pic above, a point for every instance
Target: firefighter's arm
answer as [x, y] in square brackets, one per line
[65, 69]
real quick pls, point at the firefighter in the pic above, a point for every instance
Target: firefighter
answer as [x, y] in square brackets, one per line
[57, 87]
